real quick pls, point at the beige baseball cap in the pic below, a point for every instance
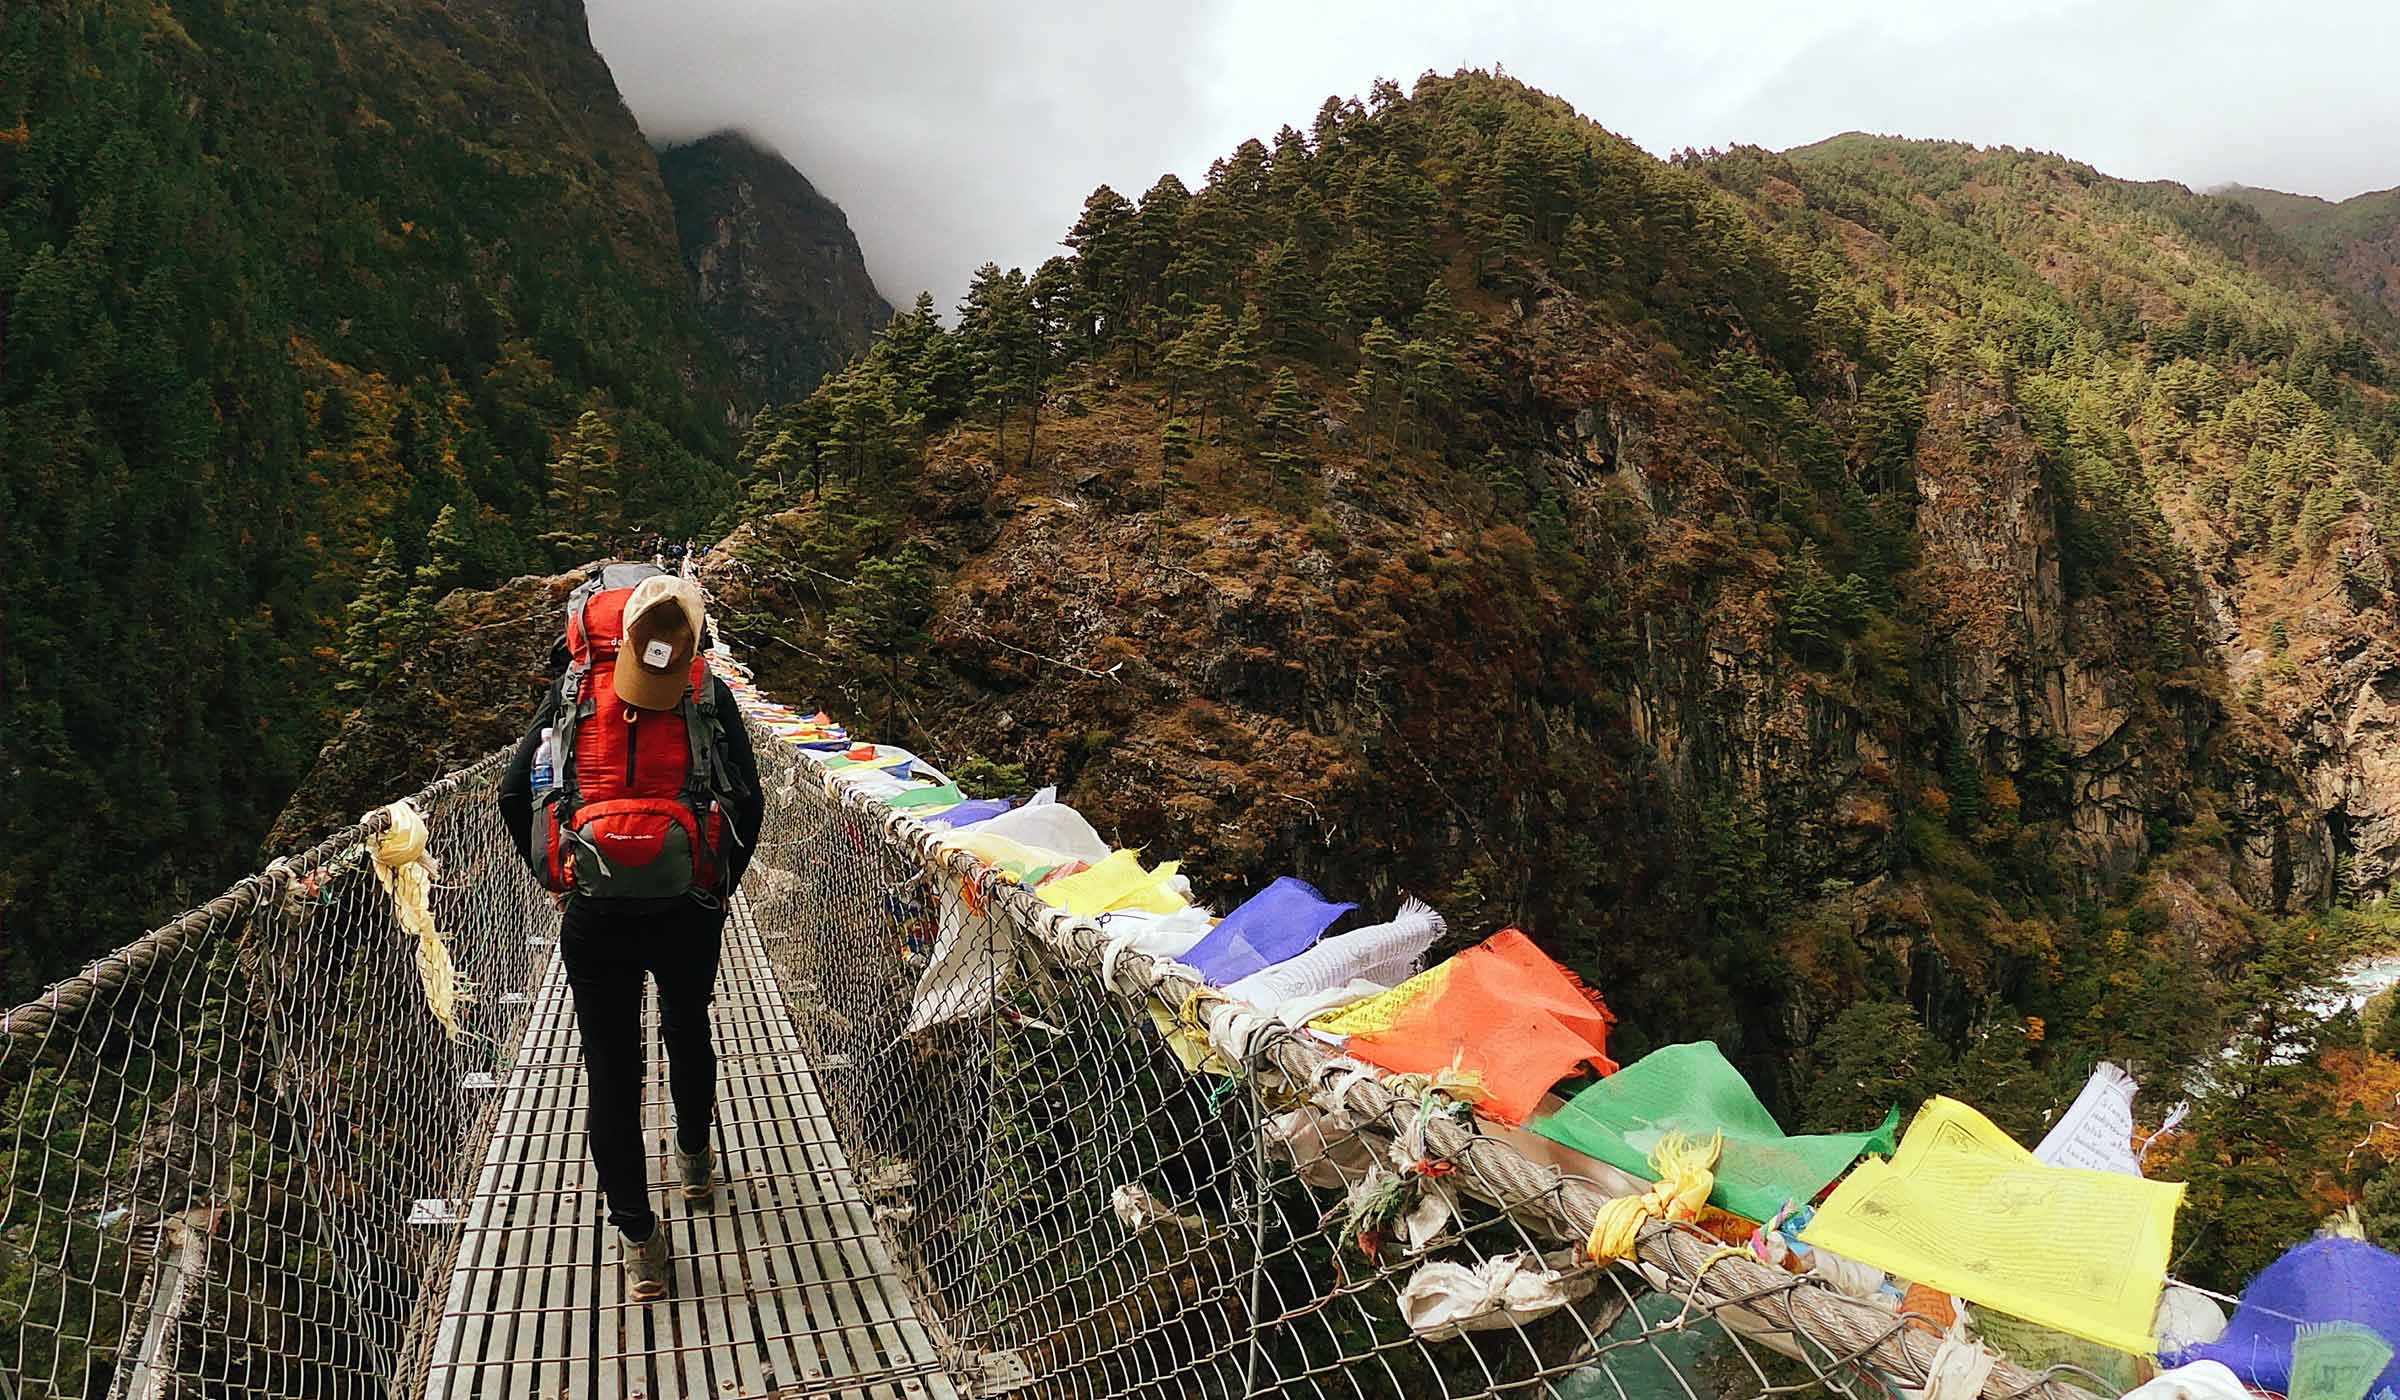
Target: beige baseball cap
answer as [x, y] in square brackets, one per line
[663, 624]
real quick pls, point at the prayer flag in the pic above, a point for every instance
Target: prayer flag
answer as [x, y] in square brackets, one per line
[1279, 921]
[1963, 1208]
[1692, 1089]
[1501, 1009]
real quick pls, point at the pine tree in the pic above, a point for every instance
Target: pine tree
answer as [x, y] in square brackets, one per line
[1234, 371]
[1872, 1056]
[2266, 1126]
[1151, 241]
[1311, 229]
[1588, 254]
[1176, 443]
[1382, 377]
[866, 432]
[1004, 345]
[584, 506]
[883, 612]
[1102, 240]
[368, 635]
[1287, 168]
[1049, 312]
[1283, 422]
[1354, 286]
[934, 375]
[1431, 354]
[1294, 315]
[446, 550]
[1192, 354]
[776, 469]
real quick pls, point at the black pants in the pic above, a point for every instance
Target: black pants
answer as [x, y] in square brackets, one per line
[608, 953]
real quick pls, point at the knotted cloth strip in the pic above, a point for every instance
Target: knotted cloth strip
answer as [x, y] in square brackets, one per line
[406, 870]
[1686, 1174]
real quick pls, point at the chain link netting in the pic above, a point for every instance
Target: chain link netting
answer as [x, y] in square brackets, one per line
[1083, 1213]
[235, 1148]
[227, 1145]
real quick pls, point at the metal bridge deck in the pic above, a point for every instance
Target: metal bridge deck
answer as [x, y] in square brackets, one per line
[782, 1289]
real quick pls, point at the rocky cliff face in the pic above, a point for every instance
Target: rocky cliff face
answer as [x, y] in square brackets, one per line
[773, 264]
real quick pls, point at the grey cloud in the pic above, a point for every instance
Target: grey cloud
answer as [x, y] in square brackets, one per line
[949, 135]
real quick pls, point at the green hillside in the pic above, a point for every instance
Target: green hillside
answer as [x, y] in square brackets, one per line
[281, 286]
[1813, 594]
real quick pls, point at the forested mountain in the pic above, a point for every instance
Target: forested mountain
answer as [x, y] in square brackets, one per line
[1919, 615]
[307, 314]
[2357, 239]
[774, 266]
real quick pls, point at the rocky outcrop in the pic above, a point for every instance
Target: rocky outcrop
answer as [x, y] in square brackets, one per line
[773, 264]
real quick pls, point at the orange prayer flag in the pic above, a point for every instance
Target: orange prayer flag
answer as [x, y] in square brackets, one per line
[1501, 1009]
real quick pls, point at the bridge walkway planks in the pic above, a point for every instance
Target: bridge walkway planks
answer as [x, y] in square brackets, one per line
[782, 1289]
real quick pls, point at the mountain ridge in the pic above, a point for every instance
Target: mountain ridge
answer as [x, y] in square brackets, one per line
[775, 269]
[2357, 239]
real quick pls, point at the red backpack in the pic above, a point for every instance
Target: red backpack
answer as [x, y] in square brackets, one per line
[634, 814]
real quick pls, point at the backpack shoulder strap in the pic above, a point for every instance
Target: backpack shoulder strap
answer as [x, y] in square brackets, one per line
[700, 719]
[574, 706]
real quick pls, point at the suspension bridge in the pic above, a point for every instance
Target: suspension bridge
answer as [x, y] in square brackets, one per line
[244, 1157]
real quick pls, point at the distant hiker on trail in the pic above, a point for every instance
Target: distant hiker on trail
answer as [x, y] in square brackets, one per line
[635, 798]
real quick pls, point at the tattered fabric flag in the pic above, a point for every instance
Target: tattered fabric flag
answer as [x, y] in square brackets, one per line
[2336, 1361]
[1963, 1208]
[1386, 954]
[963, 971]
[2319, 1280]
[1052, 826]
[887, 759]
[1118, 882]
[1028, 863]
[1443, 1299]
[2201, 1380]
[971, 811]
[2038, 1348]
[2096, 1131]
[1276, 923]
[1692, 1089]
[1169, 935]
[944, 795]
[1501, 1009]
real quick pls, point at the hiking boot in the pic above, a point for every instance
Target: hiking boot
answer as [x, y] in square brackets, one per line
[645, 1265]
[699, 1171]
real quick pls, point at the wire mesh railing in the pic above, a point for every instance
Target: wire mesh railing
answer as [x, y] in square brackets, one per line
[233, 1150]
[1101, 1180]
[224, 1147]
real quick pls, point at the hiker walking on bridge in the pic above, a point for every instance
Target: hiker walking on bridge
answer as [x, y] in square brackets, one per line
[635, 799]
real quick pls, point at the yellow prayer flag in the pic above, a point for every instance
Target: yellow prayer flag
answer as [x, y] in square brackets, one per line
[1963, 1208]
[1375, 1015]
[1118, 882]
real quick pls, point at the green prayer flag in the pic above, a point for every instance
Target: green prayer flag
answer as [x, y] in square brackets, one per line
[2038, 1348]
[2336, 1361]
[1692, 1089]
[947, 795]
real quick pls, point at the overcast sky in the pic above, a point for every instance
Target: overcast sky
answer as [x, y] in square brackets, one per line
[962, 132]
